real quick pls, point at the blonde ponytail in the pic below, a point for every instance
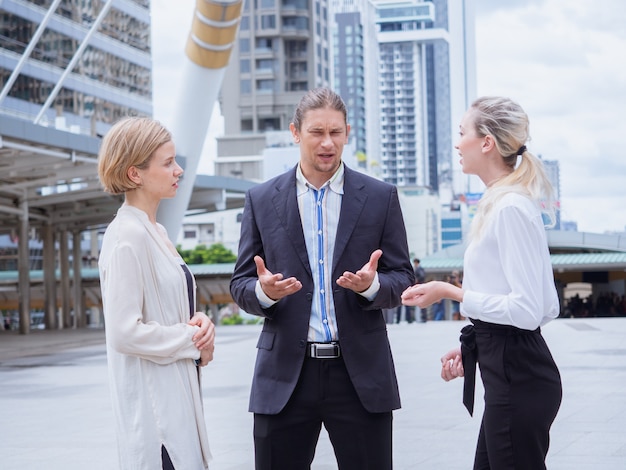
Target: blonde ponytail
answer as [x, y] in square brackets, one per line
[507, 123]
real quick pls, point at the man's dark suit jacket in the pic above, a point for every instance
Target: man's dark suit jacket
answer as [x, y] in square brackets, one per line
[271, 228]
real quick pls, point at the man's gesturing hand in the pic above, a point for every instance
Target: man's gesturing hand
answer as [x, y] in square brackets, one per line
[363, 278]
[274, 286]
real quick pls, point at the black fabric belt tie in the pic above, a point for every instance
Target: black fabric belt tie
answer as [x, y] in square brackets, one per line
[469, 358]
[469, 353]
[323, 350]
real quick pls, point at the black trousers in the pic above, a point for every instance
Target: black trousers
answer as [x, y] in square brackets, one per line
[324, 395]
[522, 397]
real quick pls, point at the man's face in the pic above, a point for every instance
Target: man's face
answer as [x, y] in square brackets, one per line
[322, 135]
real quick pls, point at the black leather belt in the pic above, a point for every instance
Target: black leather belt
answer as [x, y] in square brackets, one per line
[323, 350]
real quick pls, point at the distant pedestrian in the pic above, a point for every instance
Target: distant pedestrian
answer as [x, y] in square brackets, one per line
[155, 338]
[420, 273]
[508, 291]
[455, 280]
[438, 310]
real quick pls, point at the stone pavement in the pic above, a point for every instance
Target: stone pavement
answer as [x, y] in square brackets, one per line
[56, 410]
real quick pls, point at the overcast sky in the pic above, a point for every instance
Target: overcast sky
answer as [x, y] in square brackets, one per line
[563, 61]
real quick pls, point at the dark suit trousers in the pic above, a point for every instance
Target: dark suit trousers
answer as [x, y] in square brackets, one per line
[324, 395]
[522, 397]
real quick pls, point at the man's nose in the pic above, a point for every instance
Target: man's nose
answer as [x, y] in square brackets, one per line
[327, 140]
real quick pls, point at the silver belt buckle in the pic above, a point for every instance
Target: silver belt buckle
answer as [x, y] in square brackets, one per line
[324, 350]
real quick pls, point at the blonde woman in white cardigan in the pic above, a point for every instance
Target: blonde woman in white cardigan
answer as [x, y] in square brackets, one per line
[508, 291]
[155, 339]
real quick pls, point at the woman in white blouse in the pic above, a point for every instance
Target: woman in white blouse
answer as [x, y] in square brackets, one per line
[508, 291]
[155, 339]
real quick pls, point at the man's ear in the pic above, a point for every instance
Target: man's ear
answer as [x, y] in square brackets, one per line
[294, 133]
[133, 175]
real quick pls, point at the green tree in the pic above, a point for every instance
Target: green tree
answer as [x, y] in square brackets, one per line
[216, 253]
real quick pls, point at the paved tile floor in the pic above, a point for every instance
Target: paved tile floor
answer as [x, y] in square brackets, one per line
[56, 414]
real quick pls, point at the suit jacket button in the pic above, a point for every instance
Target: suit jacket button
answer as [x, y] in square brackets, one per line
[302, 343]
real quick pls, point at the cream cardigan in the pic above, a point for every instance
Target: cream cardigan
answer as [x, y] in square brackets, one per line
[153, 378]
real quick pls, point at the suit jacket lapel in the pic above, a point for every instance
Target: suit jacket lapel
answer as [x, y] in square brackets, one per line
[352, 204]
[286, 206]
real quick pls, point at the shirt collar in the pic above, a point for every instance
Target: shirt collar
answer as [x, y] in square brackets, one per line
[335, 183]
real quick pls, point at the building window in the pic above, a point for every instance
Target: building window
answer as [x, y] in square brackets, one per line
[298, 70]
[244, 45]
[264, 45]
[298, 86]
[246, 125]
[265, 86]
[265, 65]
[268, 22]
[269, 124]
[189, 234]
[297, 4]
[296, 22]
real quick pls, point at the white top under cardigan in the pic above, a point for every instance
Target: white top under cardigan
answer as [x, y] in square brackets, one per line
[507, 273]
[153, 378]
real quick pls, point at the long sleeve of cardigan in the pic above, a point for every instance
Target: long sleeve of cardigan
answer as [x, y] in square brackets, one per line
[127, 331]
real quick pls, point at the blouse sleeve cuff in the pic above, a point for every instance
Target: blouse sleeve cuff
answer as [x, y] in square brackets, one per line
[472, 304]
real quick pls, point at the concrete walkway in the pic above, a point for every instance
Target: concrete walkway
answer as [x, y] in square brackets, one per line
[56, 412]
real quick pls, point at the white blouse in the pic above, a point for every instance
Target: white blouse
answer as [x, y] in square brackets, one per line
[508, 276]
[153, 378]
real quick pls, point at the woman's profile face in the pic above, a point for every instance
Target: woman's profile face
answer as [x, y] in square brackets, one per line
[469, 145]
[160, 178]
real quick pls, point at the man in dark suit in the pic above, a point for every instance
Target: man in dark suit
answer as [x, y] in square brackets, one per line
[323, 249]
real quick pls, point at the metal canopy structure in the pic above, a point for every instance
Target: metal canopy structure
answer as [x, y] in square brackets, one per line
[52, 175]
[213, 281]
[49, 188]
[569, 252]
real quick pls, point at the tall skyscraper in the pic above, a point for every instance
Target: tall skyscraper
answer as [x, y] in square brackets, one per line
[355, 73]
[75, 65]
[422, 45]
[283, 50]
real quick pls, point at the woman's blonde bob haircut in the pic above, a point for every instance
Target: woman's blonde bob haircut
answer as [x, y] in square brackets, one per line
[130, 142]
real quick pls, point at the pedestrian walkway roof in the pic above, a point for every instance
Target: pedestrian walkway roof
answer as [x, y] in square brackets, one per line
[52, 175]
[570, 251]
[587, 253]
